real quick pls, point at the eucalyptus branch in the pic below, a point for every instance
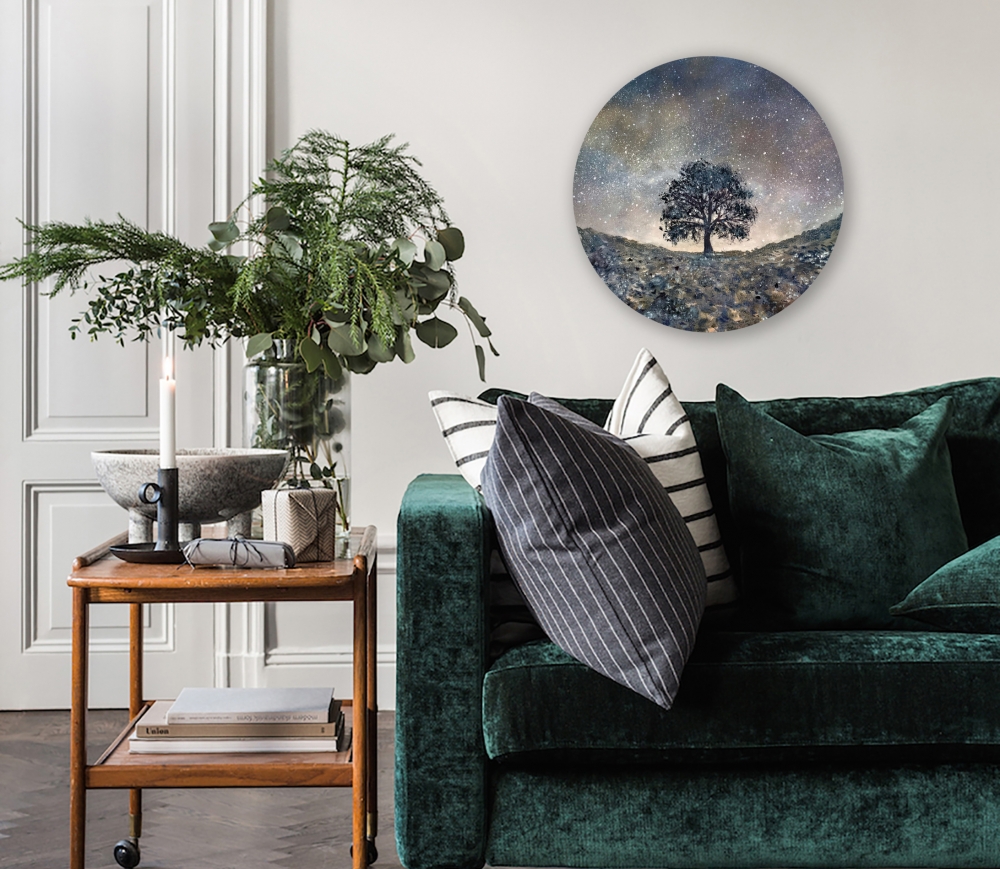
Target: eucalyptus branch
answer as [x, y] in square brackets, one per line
[332, 257]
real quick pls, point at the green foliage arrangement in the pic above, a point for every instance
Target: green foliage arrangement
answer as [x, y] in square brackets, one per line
[333, 264]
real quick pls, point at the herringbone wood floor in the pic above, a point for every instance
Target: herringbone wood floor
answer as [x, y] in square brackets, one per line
[245, 828]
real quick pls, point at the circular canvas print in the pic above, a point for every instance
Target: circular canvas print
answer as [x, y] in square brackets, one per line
[708, 194]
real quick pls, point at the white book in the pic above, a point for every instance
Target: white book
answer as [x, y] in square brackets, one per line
[153, 725]
[251, 705]
[140, 745]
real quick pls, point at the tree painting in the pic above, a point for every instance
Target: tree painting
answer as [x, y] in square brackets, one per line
[708, 194]
[705, 200]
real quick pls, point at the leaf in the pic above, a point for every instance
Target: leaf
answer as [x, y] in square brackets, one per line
[492, 348]
[434, 255]
[481, 360]
[406, 250]
[315, 471]
[474, 316]
[431, 294]
[404, 312]
[361, 364]
[225, 231]
[336, 316]
[259, 343]
[404, 348]
[311, 354]
[453, 242]
[378, 351]
[436, 332]
[347, 340]
[331, 364]
[289, 245]
[277, 219]
[436, 285]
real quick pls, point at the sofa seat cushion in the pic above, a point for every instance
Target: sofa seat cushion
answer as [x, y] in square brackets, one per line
[746, 696]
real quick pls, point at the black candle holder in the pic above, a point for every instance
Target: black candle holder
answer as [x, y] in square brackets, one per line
[163, 493]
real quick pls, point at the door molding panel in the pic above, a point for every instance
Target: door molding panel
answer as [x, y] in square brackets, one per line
[111, 104]
[61, 519]
[129, 155]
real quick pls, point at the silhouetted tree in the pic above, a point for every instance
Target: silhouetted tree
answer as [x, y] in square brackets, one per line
[706, 200]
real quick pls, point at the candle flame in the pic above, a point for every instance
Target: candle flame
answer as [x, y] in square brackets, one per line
[168, 367]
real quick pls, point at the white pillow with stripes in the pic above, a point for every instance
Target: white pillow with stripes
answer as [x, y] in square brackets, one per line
[468, 426]
[650, 419]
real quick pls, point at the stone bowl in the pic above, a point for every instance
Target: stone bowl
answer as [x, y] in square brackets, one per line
[215, 485]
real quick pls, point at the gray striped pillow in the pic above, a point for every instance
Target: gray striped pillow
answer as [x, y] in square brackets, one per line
[650, 419]
[596, 547]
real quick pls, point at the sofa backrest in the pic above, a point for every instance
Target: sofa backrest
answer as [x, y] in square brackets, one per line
[973, 441]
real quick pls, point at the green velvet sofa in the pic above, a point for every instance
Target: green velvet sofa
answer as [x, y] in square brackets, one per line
[812, 748]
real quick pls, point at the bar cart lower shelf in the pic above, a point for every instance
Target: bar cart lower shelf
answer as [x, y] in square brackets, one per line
[111, 581]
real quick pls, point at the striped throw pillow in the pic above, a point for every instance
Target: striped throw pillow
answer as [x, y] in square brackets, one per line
[468, 425]
[595, 545]
[650, 419]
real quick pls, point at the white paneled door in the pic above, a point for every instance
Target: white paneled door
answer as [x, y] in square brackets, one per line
[106, 107]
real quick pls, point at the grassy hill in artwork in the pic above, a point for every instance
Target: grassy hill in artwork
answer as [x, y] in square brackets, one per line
[716, 293]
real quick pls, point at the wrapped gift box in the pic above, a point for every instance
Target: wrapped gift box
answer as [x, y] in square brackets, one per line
[306, 519]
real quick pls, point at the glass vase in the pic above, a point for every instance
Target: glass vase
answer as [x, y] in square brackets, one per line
[306, 413]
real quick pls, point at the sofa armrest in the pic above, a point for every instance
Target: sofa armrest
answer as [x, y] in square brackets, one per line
[443, 551]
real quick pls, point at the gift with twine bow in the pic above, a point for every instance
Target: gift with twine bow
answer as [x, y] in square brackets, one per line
[306, 519]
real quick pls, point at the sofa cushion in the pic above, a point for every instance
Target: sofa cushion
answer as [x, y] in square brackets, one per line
[836, 528]
[973, 441]
[648, 416]
[595, 545]
[747, 694]
[468, 425]
[964, 595]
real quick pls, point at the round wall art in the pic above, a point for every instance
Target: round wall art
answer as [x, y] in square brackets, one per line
[708, 194]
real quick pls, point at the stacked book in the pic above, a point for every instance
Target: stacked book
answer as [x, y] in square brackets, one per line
[241, 720]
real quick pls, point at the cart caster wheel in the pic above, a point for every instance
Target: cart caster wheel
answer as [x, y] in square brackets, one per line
[127, 853]
[372, 851]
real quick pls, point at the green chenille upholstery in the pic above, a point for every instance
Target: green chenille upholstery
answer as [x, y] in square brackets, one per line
[444, 542]
[783, 816]
[837, 528]
[862, 805]
[964, 595]
[745, 692]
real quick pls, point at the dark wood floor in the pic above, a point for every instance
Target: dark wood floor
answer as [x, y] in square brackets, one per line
[246, 828]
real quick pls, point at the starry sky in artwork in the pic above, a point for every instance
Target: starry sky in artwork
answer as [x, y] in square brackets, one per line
[718, 109]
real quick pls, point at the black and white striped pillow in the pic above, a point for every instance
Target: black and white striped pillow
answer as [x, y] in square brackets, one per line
[650, 419]
[468, 425]
[595, 546]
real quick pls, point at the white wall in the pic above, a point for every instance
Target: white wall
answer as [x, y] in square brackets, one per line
[495, 100]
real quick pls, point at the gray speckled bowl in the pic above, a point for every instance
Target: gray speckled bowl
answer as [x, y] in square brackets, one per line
[215, 484]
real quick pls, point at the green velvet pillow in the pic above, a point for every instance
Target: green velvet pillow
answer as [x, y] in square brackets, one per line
[836, 528]
[964, 595]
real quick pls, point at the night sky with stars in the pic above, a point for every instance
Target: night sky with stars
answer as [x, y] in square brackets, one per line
[718, 109]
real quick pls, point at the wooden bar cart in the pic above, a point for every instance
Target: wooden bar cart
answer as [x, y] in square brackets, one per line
[109, 580]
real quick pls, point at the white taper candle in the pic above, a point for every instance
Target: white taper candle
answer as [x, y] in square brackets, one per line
[168, 404]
